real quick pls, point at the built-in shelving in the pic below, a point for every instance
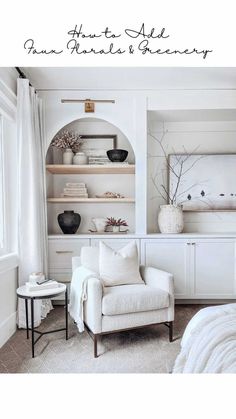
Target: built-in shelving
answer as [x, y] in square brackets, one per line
[64, 169]
[211, 210]
[91, 200]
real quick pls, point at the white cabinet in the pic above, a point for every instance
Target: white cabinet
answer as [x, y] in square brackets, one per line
[213, 268]
[60, 253]
[202, 268]
[172, 256]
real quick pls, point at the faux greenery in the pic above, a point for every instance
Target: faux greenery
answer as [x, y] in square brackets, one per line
[111, 221]
[67, 139]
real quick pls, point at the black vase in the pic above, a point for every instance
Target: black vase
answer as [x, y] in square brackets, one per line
[69, 221]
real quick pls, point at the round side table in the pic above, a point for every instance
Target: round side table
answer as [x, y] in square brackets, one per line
[39, 295]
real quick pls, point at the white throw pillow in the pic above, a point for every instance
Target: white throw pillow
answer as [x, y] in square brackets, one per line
[119, 267]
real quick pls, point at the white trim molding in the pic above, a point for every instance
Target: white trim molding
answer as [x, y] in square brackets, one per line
[7, 328]
[8, 262]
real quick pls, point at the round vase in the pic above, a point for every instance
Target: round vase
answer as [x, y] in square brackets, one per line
[170, 219]
[80, 158]
[115, 229]
[100, 224]
[69, 221]
[68, 156]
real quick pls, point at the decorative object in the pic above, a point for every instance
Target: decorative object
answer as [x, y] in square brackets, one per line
[110, 195]
[69, 221]
[115, 224]
[209, 185]
[117, 155]
[100, 224]
[96, 146]
[176, 170]
[68, 156]
[75, 190]
[114, 265]
[170, 219]
[67, 139]
[80, 158]
[35, 277]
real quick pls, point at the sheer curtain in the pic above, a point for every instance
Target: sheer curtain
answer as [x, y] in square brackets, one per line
[31, 193]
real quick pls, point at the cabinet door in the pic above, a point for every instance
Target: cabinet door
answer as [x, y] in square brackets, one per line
[172, 256]
[214, 268]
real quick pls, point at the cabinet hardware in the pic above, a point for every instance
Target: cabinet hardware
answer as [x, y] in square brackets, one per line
[188, 244]
[193, 244]
[64, 251]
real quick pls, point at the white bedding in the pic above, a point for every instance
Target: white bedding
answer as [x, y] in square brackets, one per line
[209, 342]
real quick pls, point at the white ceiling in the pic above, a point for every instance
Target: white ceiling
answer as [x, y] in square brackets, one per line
[131, 78]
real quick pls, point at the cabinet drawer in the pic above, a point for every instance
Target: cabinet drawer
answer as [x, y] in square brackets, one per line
[63, 277]
[62, 251]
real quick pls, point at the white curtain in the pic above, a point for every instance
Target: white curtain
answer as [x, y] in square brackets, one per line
[31, 194]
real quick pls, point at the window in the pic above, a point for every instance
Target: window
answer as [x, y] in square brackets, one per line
[2, 227]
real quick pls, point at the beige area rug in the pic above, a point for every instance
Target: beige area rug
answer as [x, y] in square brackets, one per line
[138, 351]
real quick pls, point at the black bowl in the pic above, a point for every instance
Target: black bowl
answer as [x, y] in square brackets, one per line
[117, 155]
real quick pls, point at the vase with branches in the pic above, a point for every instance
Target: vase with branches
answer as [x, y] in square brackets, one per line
[170, 218]
[70, 142]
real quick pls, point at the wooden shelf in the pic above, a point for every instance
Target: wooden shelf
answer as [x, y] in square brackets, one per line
[92, 200]
[211, 210]
[64, 169]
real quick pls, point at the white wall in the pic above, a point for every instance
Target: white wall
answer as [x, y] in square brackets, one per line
[8, 263]
[208, 137]
[8, 285]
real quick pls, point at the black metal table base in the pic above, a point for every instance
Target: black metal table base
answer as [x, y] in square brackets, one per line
[32, 329]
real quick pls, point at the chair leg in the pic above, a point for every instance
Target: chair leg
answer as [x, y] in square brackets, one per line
[171, 331]
[95, 346]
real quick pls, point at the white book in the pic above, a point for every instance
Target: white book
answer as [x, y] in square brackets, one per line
[75, 190]
[75, 185]
[75, 193]
[30, 286]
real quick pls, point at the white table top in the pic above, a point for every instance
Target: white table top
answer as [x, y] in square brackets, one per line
[22, 292]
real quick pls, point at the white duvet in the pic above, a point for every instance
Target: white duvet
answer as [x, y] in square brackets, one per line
[209, 342]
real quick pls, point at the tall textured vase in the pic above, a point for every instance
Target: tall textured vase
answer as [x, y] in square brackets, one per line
[170, 219]
[69, 221]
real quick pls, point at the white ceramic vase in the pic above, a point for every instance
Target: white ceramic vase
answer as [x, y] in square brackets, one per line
[100, 224]
[80, 158]
[116, 229]
[170, 219]
[68, 156]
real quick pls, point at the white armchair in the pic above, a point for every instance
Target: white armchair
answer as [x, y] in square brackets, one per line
[124, 307]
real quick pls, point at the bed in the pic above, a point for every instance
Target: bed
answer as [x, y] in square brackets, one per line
[209, 342]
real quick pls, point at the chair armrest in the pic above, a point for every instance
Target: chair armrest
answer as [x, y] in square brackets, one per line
[93, 305]
[157, 278]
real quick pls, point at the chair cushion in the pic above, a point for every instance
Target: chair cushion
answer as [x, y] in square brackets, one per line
[124, 299]
[90, 258]
[119, 267]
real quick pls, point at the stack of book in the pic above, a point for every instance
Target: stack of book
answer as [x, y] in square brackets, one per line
[43, 286]
[76, 190]
[98, 160]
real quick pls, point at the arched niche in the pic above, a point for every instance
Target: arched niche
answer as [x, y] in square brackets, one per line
[91, 126]
[96, 184]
